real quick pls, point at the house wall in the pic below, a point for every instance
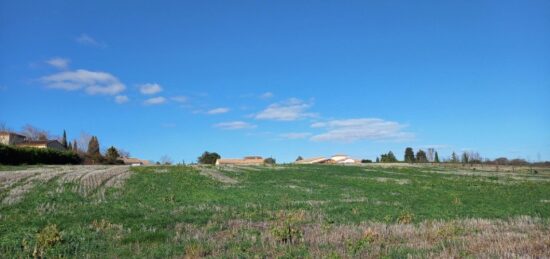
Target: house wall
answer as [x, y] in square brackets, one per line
[56, 145]
[11, 139]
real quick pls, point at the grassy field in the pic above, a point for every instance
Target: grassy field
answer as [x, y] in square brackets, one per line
[282, 211]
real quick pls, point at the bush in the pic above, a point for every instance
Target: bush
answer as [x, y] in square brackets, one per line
[27, 155]
[365, 161]
[270, 161]
[208, 158]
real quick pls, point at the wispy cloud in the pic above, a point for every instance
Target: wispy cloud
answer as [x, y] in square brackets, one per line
[234, 125]
[91, 82]
[218, 111]
[155, 101]
[350, 130]
[289, 110]
[295, 135]
[435, 146]
[88, 40]
[120, 99]
[266, 95]
[179, 99]
[149, 89]
[59, 63]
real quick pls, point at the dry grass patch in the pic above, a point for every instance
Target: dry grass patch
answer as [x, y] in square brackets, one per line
[216, 175]
[88, 179]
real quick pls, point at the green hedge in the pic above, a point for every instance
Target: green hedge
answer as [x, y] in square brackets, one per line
[10, 155]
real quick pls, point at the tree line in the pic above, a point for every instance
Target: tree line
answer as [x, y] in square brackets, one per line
[86, 149]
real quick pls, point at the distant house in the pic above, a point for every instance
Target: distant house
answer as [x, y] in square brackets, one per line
[248, 160]
[53, 144]
[336, 159]
[134, 161]
[10, 138]
[343, 159]
[313, 160]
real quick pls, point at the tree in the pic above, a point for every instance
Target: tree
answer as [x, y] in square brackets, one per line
[75, 146]
[123, 153]
[93, 147]
[112, 155]
[388, 158]
[166, 160]
[299, 158]
[5, 128]
[33, 133]
[270, 161]
[436, 157]
[465, 157]
[409, 155]
[366, 161]
[93, 151]
[454, 158]
[474, 158]
[208, 158]
[70, 147]
[377, 160]
[501, 161]
[430, 154]
[64, 140]
[421, 156]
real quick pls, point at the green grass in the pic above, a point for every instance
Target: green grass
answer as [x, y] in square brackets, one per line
[157, 214]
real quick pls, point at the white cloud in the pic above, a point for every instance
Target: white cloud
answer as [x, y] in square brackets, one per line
[179, 99]
[266, 95]
[121, 99]
[235, 125]
[87, 40]
[289, 110]
[92, 82]
[218, 111]
[59, 63]
[150, 88]
[155, 100]
[350, 130]
[296, 135]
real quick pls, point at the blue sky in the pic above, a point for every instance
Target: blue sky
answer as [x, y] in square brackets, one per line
[281, 78]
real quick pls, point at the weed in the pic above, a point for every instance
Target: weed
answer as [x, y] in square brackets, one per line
[46, 238]
[286, 228]
[405, 217]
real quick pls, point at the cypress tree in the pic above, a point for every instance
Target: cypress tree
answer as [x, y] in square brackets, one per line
[70, 147]
[454, 158]
[64, 140]
[75, 146]
[436, 158]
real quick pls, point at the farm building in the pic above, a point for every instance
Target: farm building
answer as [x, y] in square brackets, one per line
[248, 160]
[53, 144]
[336, 159]
[314, 160]
[10, 138]
[134, 161]
[343, 159]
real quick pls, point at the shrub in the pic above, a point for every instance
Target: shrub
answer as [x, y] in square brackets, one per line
[270, 161]
[208, 158]
[46, 238]
[27, 155]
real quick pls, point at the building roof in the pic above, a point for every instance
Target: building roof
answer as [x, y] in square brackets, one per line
[131, 160]
[11, 133]
[36, 142]
[245, 161]
[311, 160]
